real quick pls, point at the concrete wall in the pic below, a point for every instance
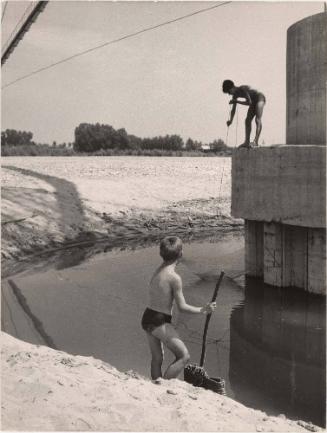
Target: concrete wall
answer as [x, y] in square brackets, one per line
[284, 184]
[254, 248]
[316, 260]
[286, 256]
[306, 81]
[273, 254]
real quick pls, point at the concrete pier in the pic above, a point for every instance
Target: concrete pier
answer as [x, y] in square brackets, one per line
[282, 184]
[280, 191]
[281, 194]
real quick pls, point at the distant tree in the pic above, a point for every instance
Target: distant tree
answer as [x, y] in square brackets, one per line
[121, 139]
[96, 137]
[192, 145]
[173, 142]
[91, 138]
[135, 142]
[11, 137]
[218, 145]
[189, 145]
[168, 142]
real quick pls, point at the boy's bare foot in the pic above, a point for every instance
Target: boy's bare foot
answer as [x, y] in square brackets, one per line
[245, 145]
[158, 381]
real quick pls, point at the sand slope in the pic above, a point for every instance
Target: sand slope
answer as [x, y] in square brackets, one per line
[46, 390]
[50, 201]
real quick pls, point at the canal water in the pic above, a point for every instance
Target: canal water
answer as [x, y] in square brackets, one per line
[268, 344]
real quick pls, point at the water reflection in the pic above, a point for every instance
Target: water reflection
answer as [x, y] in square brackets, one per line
[267, 343]
[277, 351]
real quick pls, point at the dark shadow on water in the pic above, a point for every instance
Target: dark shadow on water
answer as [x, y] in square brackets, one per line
[278, 351]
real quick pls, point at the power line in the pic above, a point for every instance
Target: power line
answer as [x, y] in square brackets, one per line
[4, 10]
[113, 41]
[32, 16]
[18, 23]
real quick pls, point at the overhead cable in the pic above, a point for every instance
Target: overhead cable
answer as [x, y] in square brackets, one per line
[16, 26]
[24, 28]
[113, 41]
[4, 10]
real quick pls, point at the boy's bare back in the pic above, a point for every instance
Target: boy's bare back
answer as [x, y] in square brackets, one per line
[165, 289]
[161, 294]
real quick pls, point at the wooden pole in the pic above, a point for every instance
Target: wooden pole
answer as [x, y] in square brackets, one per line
[208, 320]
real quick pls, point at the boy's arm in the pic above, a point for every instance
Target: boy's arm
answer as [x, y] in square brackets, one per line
[232, 113]
[244, 94]
[176, 285]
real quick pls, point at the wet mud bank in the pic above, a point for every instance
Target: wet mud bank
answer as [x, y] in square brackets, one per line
[48, 202]
[126, 231]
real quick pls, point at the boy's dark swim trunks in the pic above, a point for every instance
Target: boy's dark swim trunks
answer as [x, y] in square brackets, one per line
[152, 319]
[255, 95]
[261, 97]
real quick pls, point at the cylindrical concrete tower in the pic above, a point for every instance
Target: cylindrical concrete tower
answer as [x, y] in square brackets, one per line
[307, 81]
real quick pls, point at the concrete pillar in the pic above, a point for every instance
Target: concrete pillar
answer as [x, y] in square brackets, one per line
[254, 248]
[317, 261]
[295, 256]
[306, 81]
[273, 254]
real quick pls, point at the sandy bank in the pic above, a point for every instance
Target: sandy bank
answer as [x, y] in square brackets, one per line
[45, 390]
[50, 201]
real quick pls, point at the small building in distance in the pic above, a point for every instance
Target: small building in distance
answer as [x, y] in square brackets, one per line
[205, 148]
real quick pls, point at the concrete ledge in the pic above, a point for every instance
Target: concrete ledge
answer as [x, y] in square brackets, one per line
[285, 184]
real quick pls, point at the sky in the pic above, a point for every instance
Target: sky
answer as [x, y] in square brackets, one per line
[165, 81]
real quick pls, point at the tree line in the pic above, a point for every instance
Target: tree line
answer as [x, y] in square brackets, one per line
[104, 139]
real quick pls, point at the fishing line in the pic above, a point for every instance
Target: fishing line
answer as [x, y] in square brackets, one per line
[223, 170]
[236, 126]
[230, 111]
[226, 141]
[221, 180]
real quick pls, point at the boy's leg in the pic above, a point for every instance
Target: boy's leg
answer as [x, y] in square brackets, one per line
[258, 116]
[168, 335]
[248, 122]
[157, 356]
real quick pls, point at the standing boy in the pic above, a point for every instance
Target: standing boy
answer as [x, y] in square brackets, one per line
[255, 100]
[165, 288]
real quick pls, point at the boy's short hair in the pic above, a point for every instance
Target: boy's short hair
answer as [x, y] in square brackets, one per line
[227, 85]
[171, 248]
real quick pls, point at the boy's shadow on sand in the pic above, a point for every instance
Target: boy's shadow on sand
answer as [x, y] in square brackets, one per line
[66, 211]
